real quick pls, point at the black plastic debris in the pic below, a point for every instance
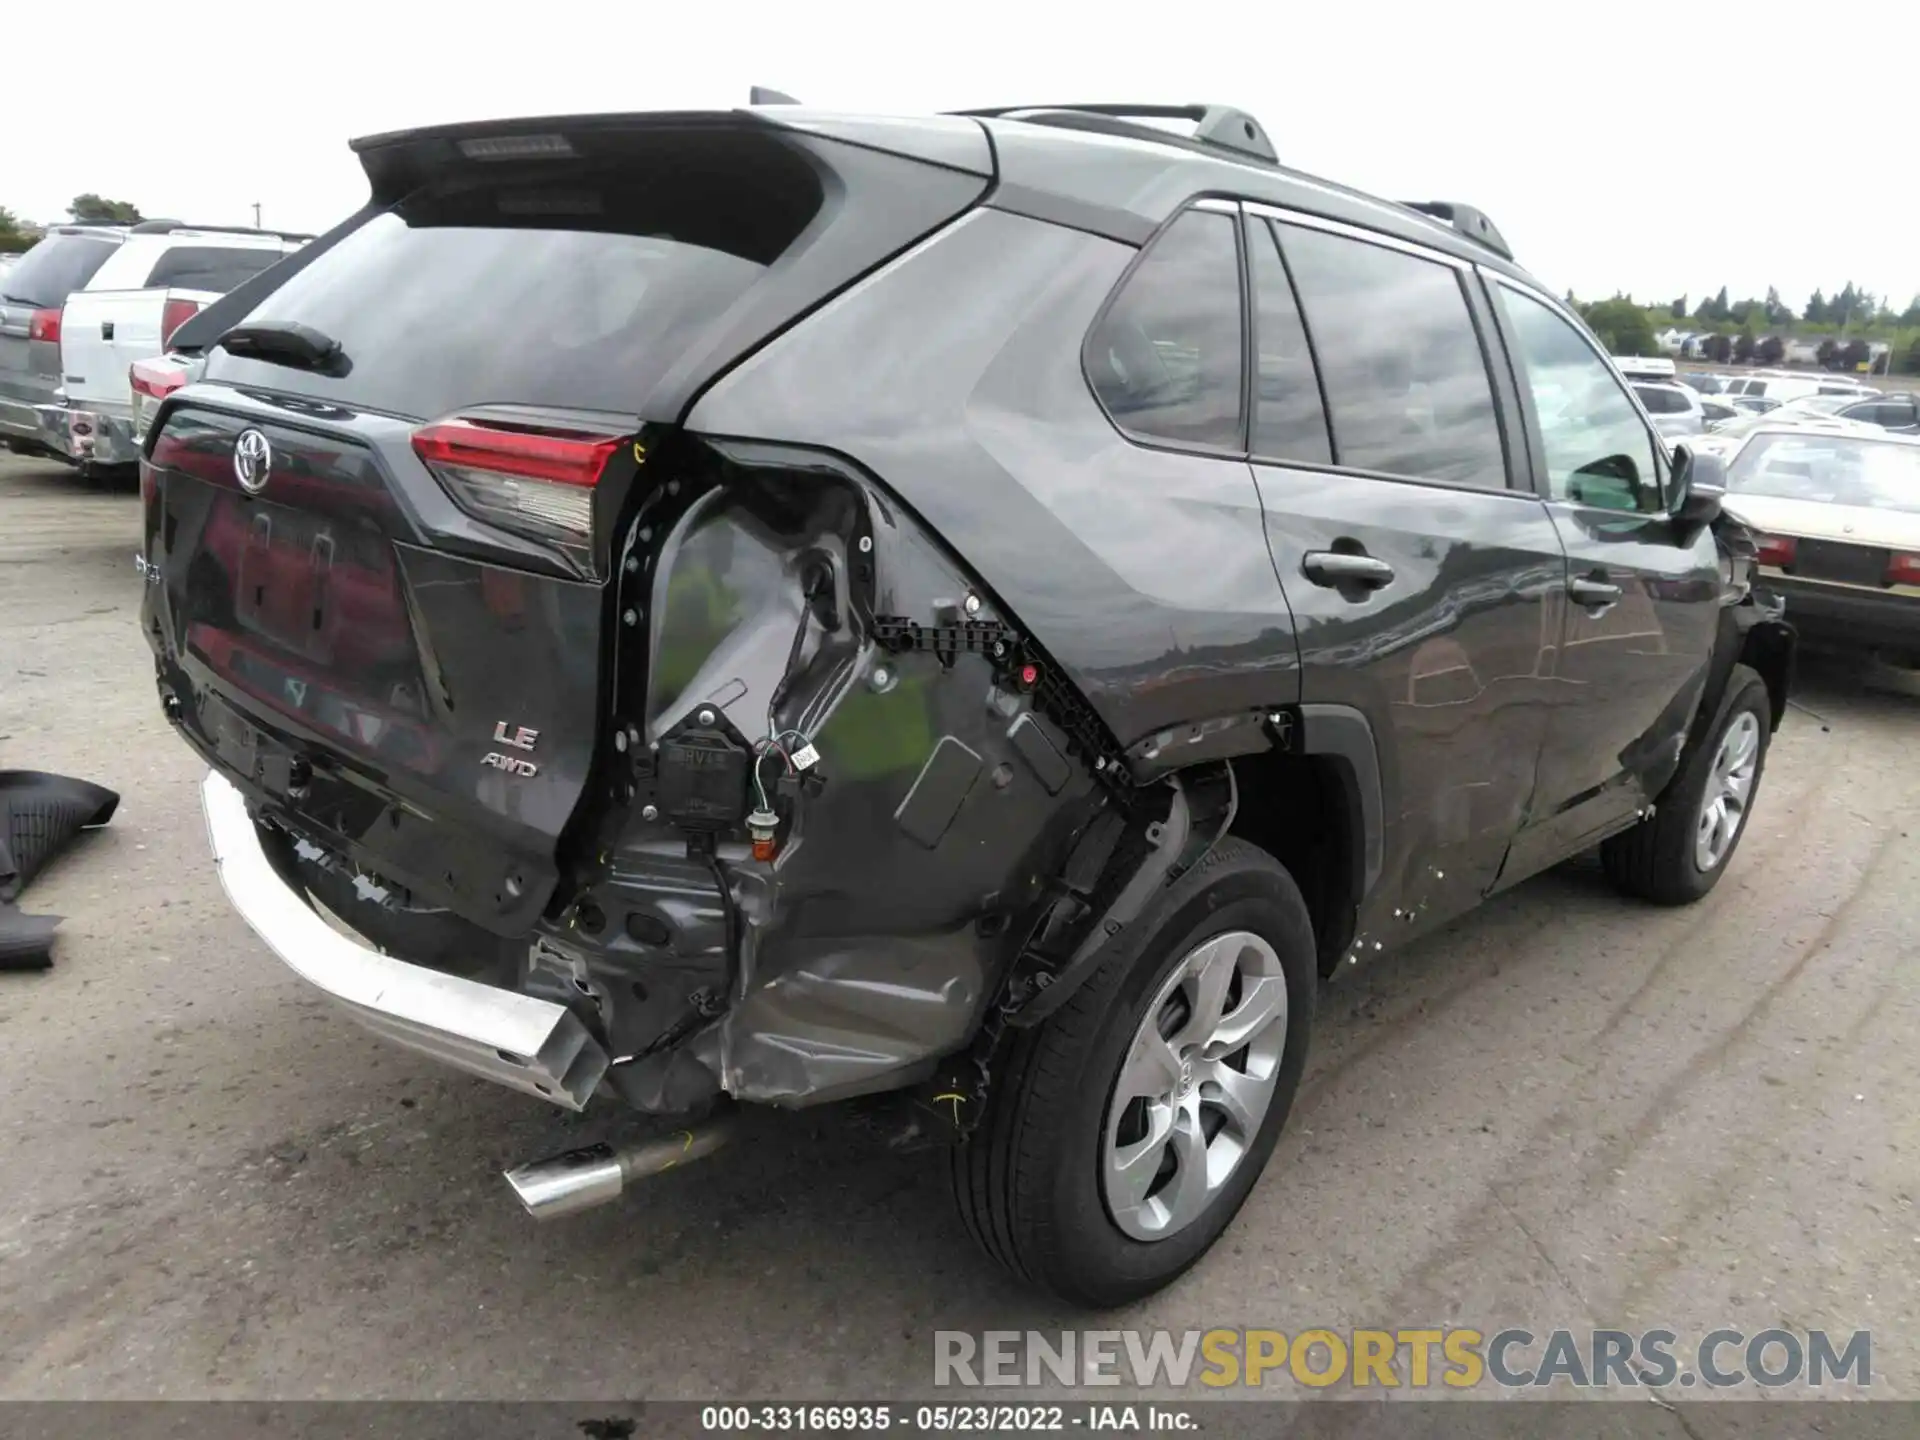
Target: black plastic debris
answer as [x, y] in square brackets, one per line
[26, 941]
[43, 812]
[39, 813]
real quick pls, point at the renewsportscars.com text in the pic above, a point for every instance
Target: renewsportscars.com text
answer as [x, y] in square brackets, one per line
[1413, 1358]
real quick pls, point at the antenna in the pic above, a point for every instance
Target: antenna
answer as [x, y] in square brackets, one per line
[761, 95]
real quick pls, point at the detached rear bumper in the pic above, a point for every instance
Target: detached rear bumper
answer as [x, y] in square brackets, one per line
[518, 1040]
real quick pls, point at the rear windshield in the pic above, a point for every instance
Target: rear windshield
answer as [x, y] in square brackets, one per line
[1834, 469]
[55, 268]
[209, 267]
[581, 293]
[1662, 400]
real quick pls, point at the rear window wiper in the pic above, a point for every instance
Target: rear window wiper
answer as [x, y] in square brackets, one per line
[286, 342]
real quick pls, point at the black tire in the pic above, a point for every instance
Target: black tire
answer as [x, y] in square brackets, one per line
[1656, 860]
[1028, 1180]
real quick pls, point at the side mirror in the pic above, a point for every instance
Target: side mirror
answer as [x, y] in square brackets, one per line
[1699, 486]
[1609, 483]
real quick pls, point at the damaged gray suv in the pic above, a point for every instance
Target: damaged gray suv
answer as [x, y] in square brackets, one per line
[977, 615]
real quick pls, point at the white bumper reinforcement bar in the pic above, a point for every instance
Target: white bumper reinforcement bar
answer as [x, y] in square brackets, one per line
[517, 1040]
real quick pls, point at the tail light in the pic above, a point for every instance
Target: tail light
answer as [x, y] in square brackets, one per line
[173, 315]
[45, 325]
[155, 379]
[1776, 550]
[533, 481]
[1903, 570]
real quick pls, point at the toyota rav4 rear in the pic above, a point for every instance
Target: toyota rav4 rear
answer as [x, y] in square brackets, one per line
[775, 607]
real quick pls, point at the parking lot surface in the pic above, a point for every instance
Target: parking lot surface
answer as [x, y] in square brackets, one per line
[1567, 1110]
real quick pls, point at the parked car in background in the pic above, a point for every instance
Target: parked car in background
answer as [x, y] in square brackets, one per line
[1701, 381]
[1784, 387]
[128, 312]
[86, 302]
[1675, 409]
[1836, 516]
[909, 646]
[1716, 411]
[1811, 410]
[1751, 404]
[1896, 411]
[1656, 368]
[32, 294]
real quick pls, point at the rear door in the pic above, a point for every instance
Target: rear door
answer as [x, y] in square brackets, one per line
[1641, 592]
[1422, 572]
[385, 519]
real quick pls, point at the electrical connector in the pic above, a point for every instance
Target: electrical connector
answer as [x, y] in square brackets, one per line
[762, 826]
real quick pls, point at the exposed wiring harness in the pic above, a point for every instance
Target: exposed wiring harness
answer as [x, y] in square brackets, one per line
[775, 744]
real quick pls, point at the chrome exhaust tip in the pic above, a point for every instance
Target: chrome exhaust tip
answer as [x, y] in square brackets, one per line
[597, 1174]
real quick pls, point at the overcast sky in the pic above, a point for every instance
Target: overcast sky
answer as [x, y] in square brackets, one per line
[1618, 145]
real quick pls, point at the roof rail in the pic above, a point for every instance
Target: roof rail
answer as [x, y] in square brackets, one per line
[1216, 127]
[169, 227]
[1466, 221]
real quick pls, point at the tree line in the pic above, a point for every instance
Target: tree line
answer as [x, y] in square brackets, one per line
[1754, 331]
[1849, 308]
[17, 235]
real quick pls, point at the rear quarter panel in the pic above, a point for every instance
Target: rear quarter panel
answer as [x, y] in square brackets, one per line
[954, 377]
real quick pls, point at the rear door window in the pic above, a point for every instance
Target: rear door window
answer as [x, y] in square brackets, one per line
[580, 294]
[1406, 379]
[1166, 357]
[209, 267]
[1289, 422]
[55, 268]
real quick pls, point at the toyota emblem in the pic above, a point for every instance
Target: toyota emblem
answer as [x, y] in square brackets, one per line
[252, 461]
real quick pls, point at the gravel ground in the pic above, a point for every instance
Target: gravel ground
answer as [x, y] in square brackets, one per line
[1564, 1111]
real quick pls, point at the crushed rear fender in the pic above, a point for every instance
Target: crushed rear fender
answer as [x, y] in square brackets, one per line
[796, 649]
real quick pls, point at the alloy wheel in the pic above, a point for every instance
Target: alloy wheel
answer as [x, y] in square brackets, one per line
[1195, 1085]
[1729, 789]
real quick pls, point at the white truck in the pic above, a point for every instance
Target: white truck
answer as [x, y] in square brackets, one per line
[154, 283]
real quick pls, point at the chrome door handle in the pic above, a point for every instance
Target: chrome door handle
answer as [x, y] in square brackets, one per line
[1593, 592]
[1335, 567]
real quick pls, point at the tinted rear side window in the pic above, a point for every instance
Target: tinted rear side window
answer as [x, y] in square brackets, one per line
[582, 292]
[209, 267]
[55, 268]
[1165, 358]
[1661, 401]
[1289, 422]
[1405, 376]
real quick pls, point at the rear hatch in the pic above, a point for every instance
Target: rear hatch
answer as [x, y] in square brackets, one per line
[381, 526]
